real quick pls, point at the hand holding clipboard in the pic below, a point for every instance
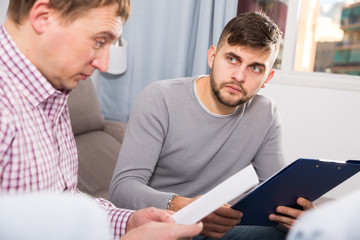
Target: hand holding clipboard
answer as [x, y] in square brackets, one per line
[307, 178]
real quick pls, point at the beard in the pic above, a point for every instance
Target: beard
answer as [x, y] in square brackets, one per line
[228, 99]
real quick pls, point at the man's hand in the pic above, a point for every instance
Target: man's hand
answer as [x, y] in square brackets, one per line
[291, 213]
[220, 221]
[153, 223]
[163, 231]
[217, 223]
[146, 215]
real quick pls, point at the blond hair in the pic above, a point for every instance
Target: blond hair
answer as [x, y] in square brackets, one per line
[69, 9]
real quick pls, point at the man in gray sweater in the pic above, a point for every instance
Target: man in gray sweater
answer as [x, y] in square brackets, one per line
[185, 136]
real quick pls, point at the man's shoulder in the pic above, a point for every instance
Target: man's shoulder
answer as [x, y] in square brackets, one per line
[168, 88]
[170, 83]
[263, 101]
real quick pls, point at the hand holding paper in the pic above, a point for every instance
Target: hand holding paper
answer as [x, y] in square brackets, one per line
[217, 216]
[218, 196]
[217, 223]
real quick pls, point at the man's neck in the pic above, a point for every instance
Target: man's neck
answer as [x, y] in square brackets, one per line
[23, 37]
[208, 98]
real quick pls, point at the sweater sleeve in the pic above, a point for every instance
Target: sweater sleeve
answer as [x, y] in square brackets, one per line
[139, 154]
[269, 158]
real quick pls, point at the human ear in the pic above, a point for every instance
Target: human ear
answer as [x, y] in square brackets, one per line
[211, 56]
[39, 15]
[269, 77]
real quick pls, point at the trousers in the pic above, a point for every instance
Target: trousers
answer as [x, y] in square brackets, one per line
[250, 233]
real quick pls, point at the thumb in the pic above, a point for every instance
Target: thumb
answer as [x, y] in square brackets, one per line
[165, 216]
[186, 231]
[306, 204]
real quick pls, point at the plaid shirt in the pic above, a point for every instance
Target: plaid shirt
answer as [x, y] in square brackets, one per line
[37, 145]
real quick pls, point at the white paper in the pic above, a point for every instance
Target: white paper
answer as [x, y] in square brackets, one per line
[226, 191]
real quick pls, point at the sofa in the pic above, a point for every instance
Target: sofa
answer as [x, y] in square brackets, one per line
[98, 141]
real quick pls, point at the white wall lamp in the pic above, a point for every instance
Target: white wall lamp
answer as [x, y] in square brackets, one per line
[118, 57]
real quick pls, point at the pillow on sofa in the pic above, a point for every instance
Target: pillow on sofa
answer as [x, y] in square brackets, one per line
[85, 113]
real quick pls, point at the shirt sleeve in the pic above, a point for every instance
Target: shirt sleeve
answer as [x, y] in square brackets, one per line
[7, 133]
[118, 217]
[139, 154]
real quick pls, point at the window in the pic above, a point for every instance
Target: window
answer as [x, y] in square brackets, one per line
[335, 29]
[275, 9]
[321, 45]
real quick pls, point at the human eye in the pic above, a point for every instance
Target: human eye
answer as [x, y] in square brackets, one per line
[99, 42]
[256, 69]
[232, 60]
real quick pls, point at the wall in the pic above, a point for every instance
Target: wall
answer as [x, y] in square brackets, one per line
[319, 123]
[3, 8]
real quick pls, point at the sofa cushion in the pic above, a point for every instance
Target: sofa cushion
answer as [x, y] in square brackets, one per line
[85, 113]
[98, 153]
[115, 129]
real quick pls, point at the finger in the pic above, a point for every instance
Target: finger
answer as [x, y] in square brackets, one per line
[306, 204]
[211, 227]
[169, 212]
[160, 215]
[212, 234]
[188, 231]
[220, 220]
[287, 226]
[167, 216]
[227, 212]
[286, 221]
[288, 211]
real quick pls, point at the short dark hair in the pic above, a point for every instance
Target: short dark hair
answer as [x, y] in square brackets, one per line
[69, 9]
[252, 29]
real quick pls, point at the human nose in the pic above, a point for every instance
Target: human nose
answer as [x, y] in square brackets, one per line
[239, 74]
[101, 60]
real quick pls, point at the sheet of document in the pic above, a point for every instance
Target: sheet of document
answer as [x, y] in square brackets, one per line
[225, 192]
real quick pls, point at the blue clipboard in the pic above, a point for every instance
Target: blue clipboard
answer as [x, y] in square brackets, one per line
[308, 178]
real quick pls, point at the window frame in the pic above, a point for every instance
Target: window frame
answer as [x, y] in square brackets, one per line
[286, 75]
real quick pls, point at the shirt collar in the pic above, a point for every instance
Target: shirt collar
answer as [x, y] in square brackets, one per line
[34, 86]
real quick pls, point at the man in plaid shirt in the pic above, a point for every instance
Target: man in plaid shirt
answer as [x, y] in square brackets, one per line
[46, 47]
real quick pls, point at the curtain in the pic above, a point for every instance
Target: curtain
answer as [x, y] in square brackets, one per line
[166, 39]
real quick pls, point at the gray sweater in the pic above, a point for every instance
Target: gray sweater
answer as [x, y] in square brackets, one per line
[174, 145]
